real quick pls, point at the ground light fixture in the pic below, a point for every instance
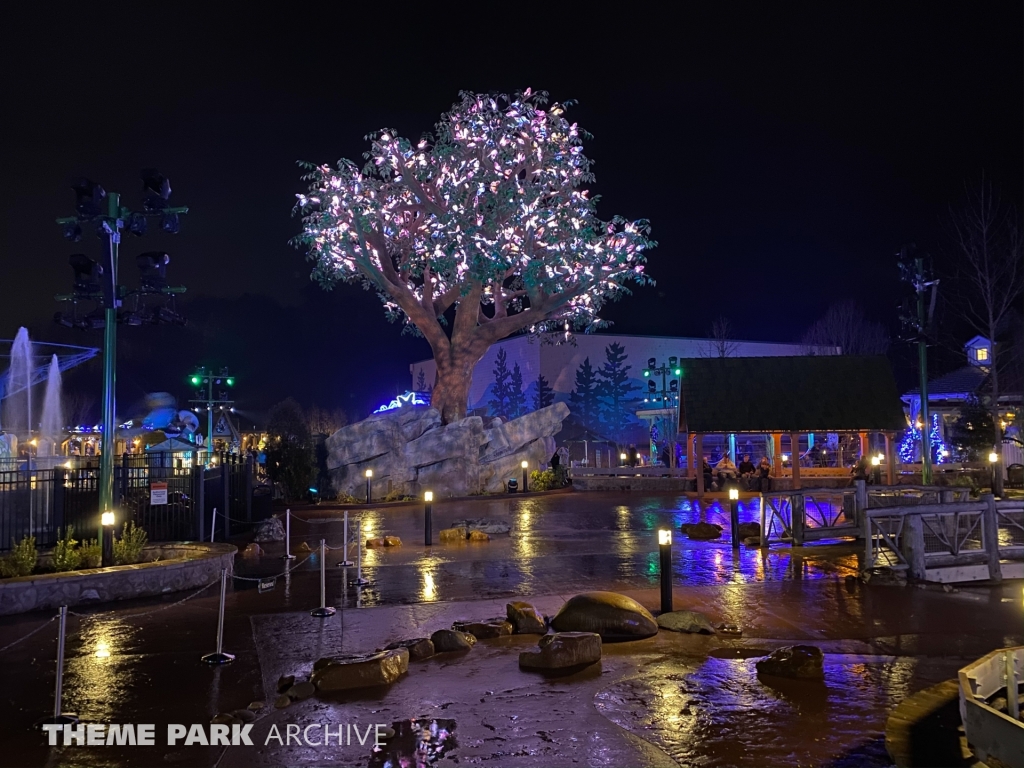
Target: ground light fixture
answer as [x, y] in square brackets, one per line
[428, 518]
[369, 483]
[622, 458]
[734, 516]
[524, 464]
[665, 552]
[993, 459]
[107, 521]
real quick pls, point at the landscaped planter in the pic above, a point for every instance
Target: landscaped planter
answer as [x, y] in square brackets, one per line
[171, 567]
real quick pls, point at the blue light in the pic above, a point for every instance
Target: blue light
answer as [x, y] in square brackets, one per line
[409, 398]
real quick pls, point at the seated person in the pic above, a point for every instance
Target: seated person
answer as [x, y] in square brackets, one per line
[746, 470]
[706, 471]
[726, 471]
[764, 475]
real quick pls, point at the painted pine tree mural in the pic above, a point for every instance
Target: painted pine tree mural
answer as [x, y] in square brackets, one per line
[516, 396]
[544, 396]
[616, 392]
[500, 389]
[585, 397]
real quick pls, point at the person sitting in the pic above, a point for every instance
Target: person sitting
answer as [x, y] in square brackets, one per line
[706, 471]
[764, 475]
[746, 470]
[860, 469]
[726, 471]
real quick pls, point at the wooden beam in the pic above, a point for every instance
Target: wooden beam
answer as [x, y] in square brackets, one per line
[890, 460]
[864, 444]
[794, 457]
[777, 455]
[691, 466]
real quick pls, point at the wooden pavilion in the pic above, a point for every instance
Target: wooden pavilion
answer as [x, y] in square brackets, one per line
[788, 395]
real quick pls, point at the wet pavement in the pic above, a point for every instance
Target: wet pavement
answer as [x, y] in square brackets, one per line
[669, 700]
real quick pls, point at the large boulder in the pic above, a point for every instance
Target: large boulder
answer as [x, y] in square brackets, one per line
[486, 526]
[452, 640]
[563, 650]
[485, 630]
[609, 614]
[419, 648]
[686, 621]
[525, 619]
[270, 529]
[341, 673]
[701, 530]
[799, 661]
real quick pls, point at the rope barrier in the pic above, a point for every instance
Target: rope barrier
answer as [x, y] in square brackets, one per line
[40, 628]
[274, 575]
[146, 613]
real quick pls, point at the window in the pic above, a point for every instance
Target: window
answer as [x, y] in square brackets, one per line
[981, 354]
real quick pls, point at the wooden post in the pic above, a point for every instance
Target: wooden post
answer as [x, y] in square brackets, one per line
[225, 478]
[794, 458]
[865, 531]
[699, 464]
[864, 448]
[912, 546]
[860, 500]
[777, 454]
[691, 465]
[990, 536]
[199, 497]
[890, 461]
[798, 512]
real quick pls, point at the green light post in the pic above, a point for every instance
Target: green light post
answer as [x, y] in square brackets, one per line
[206, 378]
[112, 242]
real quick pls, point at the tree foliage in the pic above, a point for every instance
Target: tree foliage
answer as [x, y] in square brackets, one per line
[844, 327]
[290, 458]
[483, 227]
[720, 341]
[616, 389]
[586, 395]
[499, 402]
[516, 396]
[325, 421]
[544, 396]
[971, 432]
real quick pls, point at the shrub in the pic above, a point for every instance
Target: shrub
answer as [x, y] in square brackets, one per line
[91, 553]
[22, 559]
[542, 481]
[347, 498]
[396, 495]
[128, 549]
[967, 481]
[66, 557]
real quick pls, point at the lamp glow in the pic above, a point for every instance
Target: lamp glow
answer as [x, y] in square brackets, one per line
[428, 496]
[993, 457]
[734, 493]
[525, 464]
[369, 473]
[107, 518]
[875, 461]
[622, 456]
[785, 457]
[664, 536]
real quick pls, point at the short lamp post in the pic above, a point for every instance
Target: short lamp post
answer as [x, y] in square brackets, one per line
[524, 465]
[993, 460]
[665, 550]
[734, 516]
[622, 459]
[428, 518]
[876, 470]
[107, 521]
[369, 483]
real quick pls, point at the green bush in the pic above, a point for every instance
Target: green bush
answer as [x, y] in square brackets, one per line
[542, 481]
[91, 553]
[128, 549]
[22, 559]
[396, 495]
[66, 557]
[967, 481]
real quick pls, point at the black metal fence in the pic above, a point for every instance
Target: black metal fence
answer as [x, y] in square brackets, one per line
[39, 502]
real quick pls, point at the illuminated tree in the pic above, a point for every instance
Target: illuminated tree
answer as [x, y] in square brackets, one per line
[474, 233]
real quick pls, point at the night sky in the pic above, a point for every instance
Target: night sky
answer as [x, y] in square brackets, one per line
[782, 155]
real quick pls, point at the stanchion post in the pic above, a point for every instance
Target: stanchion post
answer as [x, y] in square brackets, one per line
[59, 717]
[360, 581]
[287, 536]
[213, 523]
[734, 516]
[665, 547]
[219, 657]
[345, 562]
[324, 610]
[428, 518]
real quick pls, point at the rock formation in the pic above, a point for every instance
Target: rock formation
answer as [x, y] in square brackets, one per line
[799, 661]
[609, 614]
[563, 650]
[410, 451]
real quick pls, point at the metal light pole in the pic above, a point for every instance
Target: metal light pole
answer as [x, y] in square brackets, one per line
[667, 396]
[524, 465]
[665, 552]
[913, 272]
[428, 518]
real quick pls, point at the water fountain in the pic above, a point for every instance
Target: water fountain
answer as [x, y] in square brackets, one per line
[17, 411]
[51, 427]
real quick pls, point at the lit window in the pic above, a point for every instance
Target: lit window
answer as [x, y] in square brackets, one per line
[982, 354]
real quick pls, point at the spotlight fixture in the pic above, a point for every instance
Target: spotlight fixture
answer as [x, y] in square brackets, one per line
[156, 190]
[153, 270]
[138, 224]
[72, 231]
[170, 223]
[90, 197]
[87, 273]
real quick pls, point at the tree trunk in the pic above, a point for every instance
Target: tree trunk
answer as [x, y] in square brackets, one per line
[455, 363]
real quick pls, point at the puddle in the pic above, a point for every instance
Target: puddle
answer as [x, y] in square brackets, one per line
[738, 653]
[416, 744]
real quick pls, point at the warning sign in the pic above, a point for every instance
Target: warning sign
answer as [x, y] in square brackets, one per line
[157, 493]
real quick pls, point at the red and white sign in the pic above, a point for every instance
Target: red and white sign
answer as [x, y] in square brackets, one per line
[157, 493]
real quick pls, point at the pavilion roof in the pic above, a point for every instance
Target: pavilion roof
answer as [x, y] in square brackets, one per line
[789, 394]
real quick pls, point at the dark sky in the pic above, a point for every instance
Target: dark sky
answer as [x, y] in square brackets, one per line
[782, 155]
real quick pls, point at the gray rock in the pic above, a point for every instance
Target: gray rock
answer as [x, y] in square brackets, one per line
[609, 614]
[271, 529]
[484, 630]
[525, 619]
[479, 524]
[452, 640]
[301, 691]
[797, 661]
[244, 715]
[366, 670]
[701, 530]
[686, 621]
[750, 530]
[419, 648]
[285, 682]
[563, 650]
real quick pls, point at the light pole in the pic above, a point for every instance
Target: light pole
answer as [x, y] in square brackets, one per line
[428, 518]
[665, 552]
[524, 465]
[205, 379]
[734, 517]
[914, 272]
[98, 282]
[993, 460]
[669, 395]
[369, 481]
